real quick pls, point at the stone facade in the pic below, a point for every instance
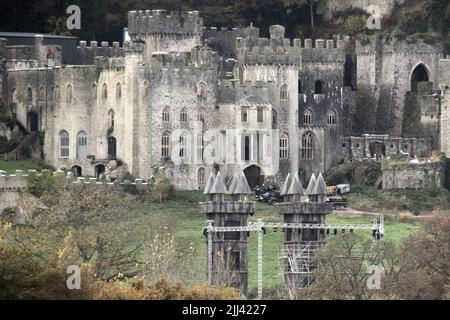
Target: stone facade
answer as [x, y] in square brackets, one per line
[195, 100]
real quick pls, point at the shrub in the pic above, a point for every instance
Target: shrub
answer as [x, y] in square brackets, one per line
[38, 184]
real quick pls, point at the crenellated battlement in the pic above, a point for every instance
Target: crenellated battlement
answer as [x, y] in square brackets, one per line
[163, 22]
[87, 53]
[279, 50]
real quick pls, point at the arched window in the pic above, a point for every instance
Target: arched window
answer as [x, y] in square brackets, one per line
[165, 145]
[14, 95]
[201, 115]
[183, 144]
[284, 92]
[41, 94]
[284, 146]
[69, 93]
[318, 87]
[201, 89]
[166, 114]
[81, 145]
[104, 91]
[145, 89]
[29, 95]
[111, 115]
[274, 119]
[57, 93]
[200, 147]
[308, 117]
[300, 87]
[94, 91]
[118, 91]
[331, 117]
[201, 175]
[64, 144]
[307, 151]
[183, 115]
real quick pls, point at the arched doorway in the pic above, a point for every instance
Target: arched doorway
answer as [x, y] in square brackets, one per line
[377, 149]
[253, 176]
[112, 146]
[420, 74]
[77, 172]
[99, 169]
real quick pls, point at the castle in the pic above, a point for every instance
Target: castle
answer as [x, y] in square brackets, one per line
[195, 100]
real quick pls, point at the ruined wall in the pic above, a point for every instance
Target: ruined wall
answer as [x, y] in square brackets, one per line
[412, 175]
[385, 68]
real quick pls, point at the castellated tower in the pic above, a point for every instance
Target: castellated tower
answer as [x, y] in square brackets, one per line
[228, 258]
[302, 206]
[166, 32]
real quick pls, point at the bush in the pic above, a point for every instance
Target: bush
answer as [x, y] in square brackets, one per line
[38, 184]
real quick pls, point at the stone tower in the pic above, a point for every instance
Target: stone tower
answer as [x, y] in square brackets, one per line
[302, 206]
[228, 258]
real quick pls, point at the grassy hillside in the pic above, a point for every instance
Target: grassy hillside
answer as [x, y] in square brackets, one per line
[182, 217]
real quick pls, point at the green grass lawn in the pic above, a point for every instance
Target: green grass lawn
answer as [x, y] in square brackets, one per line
[11, 166]
[183, 218]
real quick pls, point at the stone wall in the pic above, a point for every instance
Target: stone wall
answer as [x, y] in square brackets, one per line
[413, 175]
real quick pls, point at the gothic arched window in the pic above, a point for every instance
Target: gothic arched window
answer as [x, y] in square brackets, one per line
[165, 145]
[166, 114]
[307, 151]
[284, 95]
[284, 146]
[183, 115]
[331, 117]
[308, 117]
[104, 91]
[69, 93]
[118, 91]
[64, 144]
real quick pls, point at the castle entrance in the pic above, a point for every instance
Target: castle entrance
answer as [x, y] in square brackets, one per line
[77, 172]
[377, 149]
[253, 176]
[99, 169]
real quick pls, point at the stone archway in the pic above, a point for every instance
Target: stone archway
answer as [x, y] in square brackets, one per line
[377, 149]
[99, 169]
[420, 74]
[254, 176]
[77, 171]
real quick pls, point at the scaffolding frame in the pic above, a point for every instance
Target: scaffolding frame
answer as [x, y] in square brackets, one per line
[296, 259]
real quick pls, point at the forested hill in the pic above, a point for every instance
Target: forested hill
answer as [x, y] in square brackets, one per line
[302, 18]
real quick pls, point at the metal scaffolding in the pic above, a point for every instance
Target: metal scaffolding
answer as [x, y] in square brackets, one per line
[296, 259]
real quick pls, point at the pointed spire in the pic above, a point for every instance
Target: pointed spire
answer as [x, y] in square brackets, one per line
[209, 183]
[286, 185]
[320, 187]
[218, 186]
[233, 183]
[296, 187]
[311, 184]
[242, 186]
